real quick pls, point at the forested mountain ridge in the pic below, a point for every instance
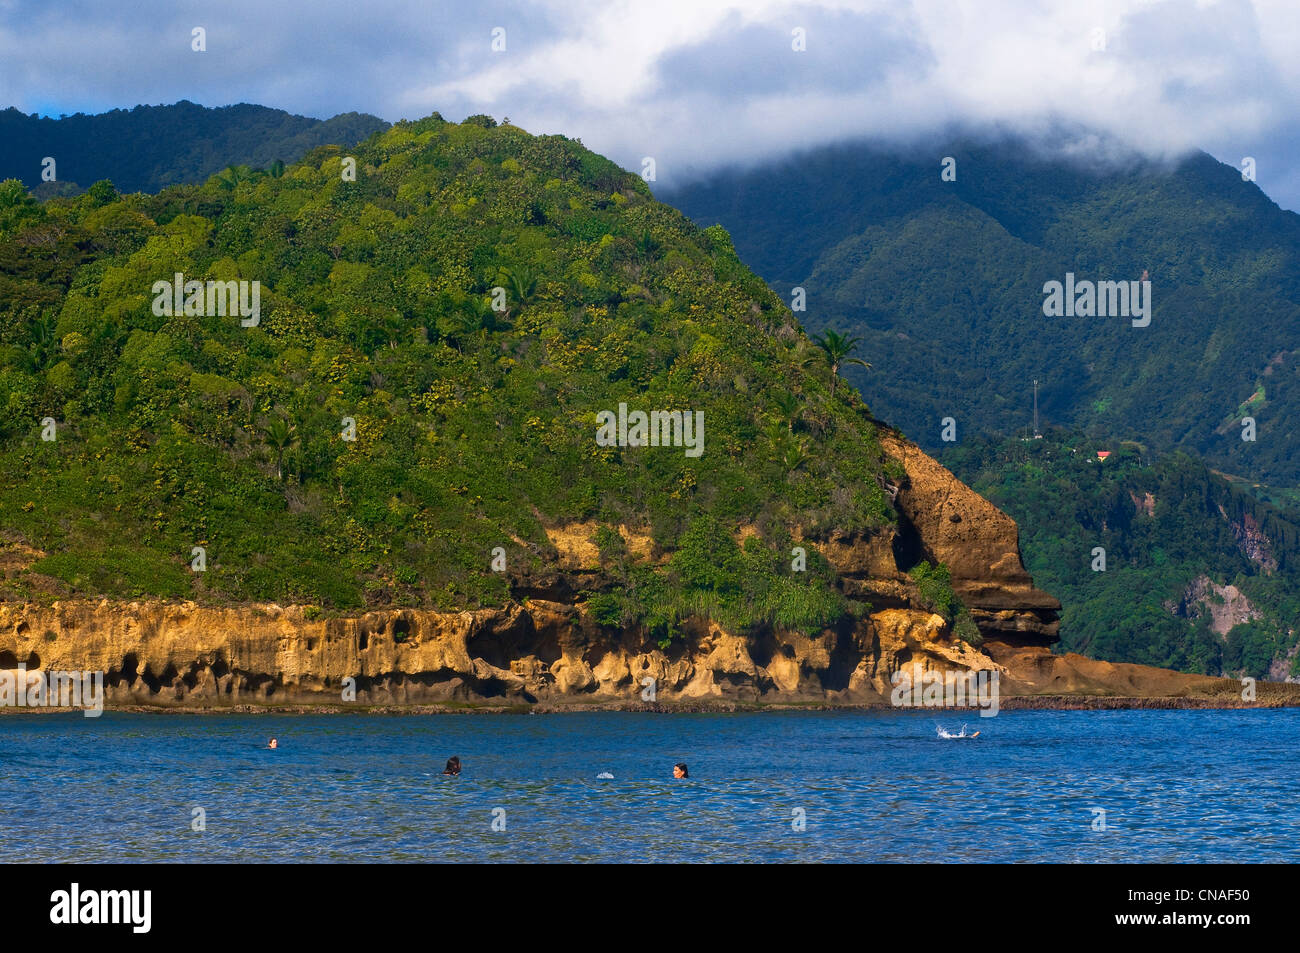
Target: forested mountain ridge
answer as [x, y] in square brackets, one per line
[943, 280]
[148, 148]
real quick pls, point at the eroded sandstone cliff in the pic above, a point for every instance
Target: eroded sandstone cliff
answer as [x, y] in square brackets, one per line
[546, 649]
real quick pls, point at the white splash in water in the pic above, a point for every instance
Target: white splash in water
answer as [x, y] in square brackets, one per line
[945, 733]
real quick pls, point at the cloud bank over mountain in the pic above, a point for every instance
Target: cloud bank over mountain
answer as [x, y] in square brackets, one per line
[701, 84]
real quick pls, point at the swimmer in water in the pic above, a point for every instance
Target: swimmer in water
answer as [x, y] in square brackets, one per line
[680, 770]
[273, 743]
[453, 766]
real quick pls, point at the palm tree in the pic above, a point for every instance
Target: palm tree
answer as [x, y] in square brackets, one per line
[483, 317]
[44, 344]
[280, 434]
[522, 282]
[228, 178]
[836, 349]
[788, 403]
[794, 456]
[646, 245]
[232, 176]
[456, 324]
[392, 328]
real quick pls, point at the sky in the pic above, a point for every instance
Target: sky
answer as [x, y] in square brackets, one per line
[696, 84]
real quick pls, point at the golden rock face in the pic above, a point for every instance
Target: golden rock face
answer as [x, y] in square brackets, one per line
[553, 653]
[195, 656]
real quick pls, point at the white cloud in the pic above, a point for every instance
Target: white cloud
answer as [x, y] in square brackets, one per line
[697, 83]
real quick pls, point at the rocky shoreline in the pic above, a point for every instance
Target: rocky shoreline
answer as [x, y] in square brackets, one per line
[1014, 703]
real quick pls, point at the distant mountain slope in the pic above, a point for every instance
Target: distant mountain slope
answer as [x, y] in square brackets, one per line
[944, 282]
[148, 148]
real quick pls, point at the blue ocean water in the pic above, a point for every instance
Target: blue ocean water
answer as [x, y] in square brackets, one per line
[1176, 786]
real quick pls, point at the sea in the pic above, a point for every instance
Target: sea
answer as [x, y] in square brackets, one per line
[592, 787]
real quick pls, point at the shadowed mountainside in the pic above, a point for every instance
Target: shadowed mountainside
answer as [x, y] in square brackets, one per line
[148, 148]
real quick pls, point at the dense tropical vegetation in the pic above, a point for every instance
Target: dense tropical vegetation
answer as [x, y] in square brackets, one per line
[436, 339]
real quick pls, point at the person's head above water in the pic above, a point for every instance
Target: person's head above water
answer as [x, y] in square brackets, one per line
[453, 766]
[680, 770]
[273, 743]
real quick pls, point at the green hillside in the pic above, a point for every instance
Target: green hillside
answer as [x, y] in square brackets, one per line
[475, 425]
[943, 281]
[151, 147]
[1175, 537]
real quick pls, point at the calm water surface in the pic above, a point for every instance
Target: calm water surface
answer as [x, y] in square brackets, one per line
[1175, 786]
